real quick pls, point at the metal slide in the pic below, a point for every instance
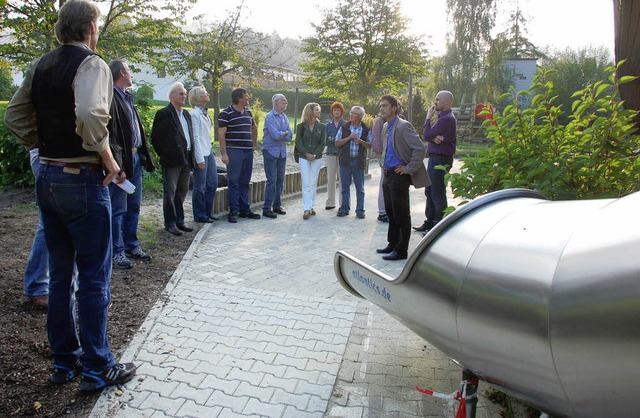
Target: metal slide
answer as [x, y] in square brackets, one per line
[539, 298]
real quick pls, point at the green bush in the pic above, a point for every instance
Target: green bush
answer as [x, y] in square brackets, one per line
[15, 169]
[594, 155]
[143, 96]
[6, 81]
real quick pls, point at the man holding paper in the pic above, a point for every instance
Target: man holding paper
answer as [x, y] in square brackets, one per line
[129, 147]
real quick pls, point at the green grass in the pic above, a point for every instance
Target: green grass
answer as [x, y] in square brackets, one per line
[468, 150]
[25, 207]
[148, 229]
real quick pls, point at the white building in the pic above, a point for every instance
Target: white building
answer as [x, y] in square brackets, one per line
[521, 72]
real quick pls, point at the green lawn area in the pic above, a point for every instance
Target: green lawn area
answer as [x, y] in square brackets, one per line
[464, 149]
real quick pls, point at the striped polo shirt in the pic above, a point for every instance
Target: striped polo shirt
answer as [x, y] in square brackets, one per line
[238, 126]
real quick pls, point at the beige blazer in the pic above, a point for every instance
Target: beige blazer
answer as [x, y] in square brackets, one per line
[409, 148]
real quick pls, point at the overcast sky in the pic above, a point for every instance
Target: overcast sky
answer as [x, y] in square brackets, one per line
[555, 23]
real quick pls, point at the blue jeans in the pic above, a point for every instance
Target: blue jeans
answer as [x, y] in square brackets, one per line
[125, 212]
[205, 184]
[131, 217]
[274, 169]
[36, 275]
[76, 213]
[239, 175]
[357, 174]
[437, 193]
[118, 209]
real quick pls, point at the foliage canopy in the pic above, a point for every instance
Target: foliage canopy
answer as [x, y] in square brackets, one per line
[594, 155]
[130, 28]
[467, 42]
[222, 48]
[360, 51]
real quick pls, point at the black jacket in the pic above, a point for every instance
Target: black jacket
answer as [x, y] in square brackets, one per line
[121, 137]
[168, 138]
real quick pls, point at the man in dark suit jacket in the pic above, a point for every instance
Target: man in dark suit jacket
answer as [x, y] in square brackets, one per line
[129, 148]
[172, 137]
[403, 154]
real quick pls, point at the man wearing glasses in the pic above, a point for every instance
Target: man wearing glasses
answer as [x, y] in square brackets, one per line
[352, 157]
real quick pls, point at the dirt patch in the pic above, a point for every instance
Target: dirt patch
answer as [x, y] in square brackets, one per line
[24, 349]
[25, 364]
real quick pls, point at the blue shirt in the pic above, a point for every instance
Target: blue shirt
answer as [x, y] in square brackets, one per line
[275, 126]
[238, 126]
[391, 159]
[136, 141]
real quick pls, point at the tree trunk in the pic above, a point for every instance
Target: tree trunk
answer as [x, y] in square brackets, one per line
[626, 15]
[215, 100]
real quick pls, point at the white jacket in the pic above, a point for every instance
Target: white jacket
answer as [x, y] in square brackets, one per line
[201, 133]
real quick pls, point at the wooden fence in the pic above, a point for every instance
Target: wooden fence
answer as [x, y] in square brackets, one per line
[292, 187]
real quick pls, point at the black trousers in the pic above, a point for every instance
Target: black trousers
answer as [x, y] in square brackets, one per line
[175, 185]
[395, 189]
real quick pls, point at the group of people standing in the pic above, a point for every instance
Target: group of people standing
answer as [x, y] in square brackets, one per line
[86, 141]
[183, 142]
[398, 145]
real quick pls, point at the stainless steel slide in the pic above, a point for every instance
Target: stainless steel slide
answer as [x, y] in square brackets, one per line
[540, 298]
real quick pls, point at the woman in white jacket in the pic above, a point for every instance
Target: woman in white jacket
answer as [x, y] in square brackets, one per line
[206, 174]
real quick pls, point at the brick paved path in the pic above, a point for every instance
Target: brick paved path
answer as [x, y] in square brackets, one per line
[254, 323]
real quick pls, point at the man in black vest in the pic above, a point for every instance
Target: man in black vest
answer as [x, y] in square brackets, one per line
[63, 105]
[172, 137]
[352, 158]
[129, 147]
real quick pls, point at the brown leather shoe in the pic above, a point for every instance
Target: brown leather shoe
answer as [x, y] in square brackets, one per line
[422, 228]
[184, 228]
[41, 301]
[173, 230]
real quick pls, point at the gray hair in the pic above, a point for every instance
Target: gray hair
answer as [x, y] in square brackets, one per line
[174, 88]
[116, 66]
[359, 109]
[276, 97]
[196, 95]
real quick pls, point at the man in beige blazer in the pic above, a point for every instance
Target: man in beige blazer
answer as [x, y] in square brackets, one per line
[403, 155]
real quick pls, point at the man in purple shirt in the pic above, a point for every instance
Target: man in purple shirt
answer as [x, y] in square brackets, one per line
[441, 139]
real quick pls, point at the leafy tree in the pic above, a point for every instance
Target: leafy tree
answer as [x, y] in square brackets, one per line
[519, 46]
[130, 28]
[495, 78]
[15, 169]
[420, 105]
[594, 155]
[6, 81]
[360, 51]
[26, 29]
[227, 47]
[467, 41]
[575, 69]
